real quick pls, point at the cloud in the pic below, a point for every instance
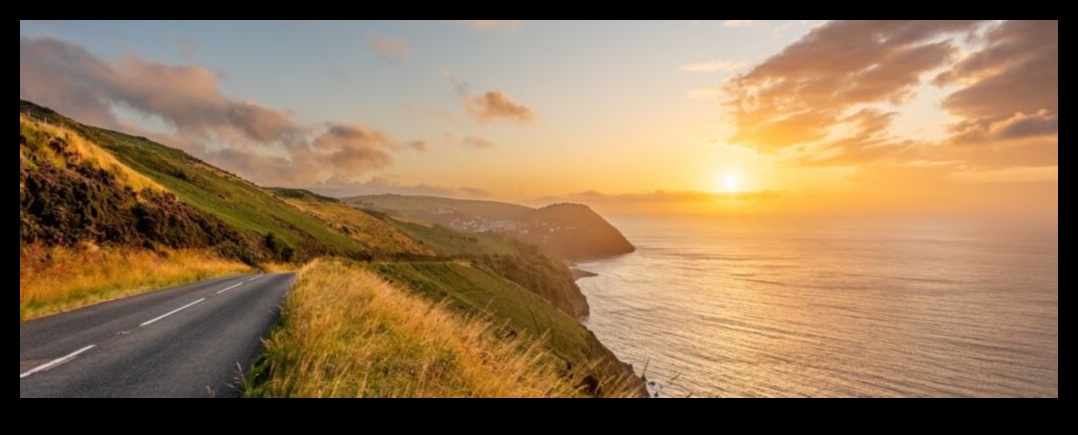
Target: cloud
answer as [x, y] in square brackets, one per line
[477, 142]
[830, 98]
[264, 144]
[490, 24]
[1021, 125]
[389, 48]
[740, 23]
[712, 66]
[799, 100]
[1011, 85]
[67, 77]
[492, 105]
[495, 105]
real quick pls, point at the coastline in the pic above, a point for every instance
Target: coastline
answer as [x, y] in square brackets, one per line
[578, 274]
[627, 369]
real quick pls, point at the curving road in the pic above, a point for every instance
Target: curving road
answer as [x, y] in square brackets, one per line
[188, 341]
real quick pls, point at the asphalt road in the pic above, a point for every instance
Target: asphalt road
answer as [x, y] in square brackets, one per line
[189, 341]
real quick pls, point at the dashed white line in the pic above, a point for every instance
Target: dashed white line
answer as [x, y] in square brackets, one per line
[55, 362]
[230, 288]
[257, 277]
[170, 313]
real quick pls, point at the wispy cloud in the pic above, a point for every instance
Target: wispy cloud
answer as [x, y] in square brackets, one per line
[712, 66]
[797, 97]
[389, 48]
[831, 98]
[492, 105]
[495, 105]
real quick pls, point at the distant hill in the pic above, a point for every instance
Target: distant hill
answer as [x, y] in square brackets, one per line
[569, 231]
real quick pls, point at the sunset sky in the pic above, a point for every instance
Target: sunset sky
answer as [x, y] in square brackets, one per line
[734, 116]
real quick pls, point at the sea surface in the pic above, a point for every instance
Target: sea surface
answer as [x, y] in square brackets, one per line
[770, 308]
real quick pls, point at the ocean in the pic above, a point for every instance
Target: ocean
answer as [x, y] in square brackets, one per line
[715, 307]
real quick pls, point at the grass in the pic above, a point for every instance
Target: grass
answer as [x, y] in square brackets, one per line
[473, 291]
[450, 243]
[348, 333]
[41, 132]
[379, 237]
[58, 279]
[235, 201]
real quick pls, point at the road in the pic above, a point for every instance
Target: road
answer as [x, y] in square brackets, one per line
[188, 341]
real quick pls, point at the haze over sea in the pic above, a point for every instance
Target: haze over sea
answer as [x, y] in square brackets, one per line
[739, 307]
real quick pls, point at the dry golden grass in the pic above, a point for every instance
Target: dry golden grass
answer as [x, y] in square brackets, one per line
[57, 279]
[91, 152]
[361, 227]
[347, 333]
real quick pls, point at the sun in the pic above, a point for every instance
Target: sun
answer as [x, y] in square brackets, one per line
[731, 182]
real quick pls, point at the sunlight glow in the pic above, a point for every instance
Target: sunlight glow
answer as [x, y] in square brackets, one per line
[731, 183]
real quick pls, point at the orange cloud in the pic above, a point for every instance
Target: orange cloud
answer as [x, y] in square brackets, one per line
[391, 49]
[797, 95]
[495, 105]
[820, 100]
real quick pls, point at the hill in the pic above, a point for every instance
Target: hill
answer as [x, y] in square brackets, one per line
[379, 238]
[272, 229]
[568, 231]
[104, 214]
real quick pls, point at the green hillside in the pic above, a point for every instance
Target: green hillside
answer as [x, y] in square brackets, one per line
[249, 209]
[381, 239]
[472, 289]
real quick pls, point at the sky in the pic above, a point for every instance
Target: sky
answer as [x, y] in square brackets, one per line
[703, 117]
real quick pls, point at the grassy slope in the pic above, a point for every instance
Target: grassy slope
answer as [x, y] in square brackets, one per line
[406, 205]
[235, 201]
[74, 198]
[381, 238]
[450, 243]
[472, 289]
[347, 333]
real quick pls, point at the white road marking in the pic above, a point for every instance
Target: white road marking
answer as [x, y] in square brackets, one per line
[257, 277]
[230, 288]
[170, 313]
[56, 362]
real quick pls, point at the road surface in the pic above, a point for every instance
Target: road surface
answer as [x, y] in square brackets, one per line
[188, 341]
